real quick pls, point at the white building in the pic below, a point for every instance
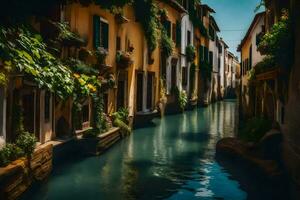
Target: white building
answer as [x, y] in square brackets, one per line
[214, 57]
[187, 38]
[222, 54]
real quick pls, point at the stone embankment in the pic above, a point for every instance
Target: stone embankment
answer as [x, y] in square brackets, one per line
[17, 177]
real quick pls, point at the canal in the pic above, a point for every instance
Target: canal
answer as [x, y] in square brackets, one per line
[173, 158]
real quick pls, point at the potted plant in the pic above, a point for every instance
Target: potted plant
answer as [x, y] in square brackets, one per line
[190, 52]
[123, 59]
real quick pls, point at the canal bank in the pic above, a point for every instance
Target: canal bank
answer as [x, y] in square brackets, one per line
[174, 158]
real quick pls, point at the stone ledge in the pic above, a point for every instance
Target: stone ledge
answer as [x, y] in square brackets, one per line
[17, 177]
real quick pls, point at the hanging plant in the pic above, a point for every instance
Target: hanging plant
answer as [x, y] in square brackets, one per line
[146, 13]
[278, 42]
[190, 53]
[24, 51]
[123, 60]
[101, 55]
[167, 45]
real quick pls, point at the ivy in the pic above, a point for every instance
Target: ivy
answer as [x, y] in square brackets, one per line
[190, 52]
[23, 51]
[197, 23]
[167, 45]
[278, 42]
[146, 13]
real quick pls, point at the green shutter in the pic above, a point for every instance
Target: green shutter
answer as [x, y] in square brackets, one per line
[201, 52]
[104, 35]
[206, 54]
[96, 31]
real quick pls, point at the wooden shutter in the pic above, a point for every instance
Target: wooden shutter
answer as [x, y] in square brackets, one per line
[206, 54]
[96, 31]
[104, 34]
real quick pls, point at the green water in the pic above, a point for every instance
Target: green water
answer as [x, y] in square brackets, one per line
[171, 159]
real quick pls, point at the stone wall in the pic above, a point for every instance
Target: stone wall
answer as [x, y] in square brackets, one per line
[17, 177]
[291, 126]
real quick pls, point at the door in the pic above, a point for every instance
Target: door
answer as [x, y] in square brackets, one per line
[121, 94]
[28, 102]
[139, 91]
[173, 74]
[150, 82]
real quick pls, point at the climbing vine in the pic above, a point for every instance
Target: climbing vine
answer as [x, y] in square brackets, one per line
[146, 13]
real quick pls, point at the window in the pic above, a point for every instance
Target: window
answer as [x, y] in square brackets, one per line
[184, 76]
[206, 54]
[85, 113]
[188, 37]
[178, 33]
[211, 58]
[212, 33]
[150, 93]
[250, 57]
[174, 33]
[101, 32]
[219, 63]
[185, 4]
[47, 106]
[167, 26]
[118, 45]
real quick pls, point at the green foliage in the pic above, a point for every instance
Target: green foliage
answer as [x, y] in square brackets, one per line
[125, 129]
[190, 53]
[192, 75]
[9, 153]
[167, 44]
[123, 59]
[80, 67]
[97, 111]
[146, 13]
[90, 133]
[121, 120]
[27, 142]
[3, 79]
[101, 55]
[278, 42]
[254, 129]
[24, 51]
[66, 36]
[182, 98]
[197, 23]
[266, 64]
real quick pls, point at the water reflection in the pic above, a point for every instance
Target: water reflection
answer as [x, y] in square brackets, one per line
[172, 160]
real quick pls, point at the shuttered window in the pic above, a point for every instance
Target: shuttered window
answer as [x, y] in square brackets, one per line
[96, 29]
[206, 54]
[178, 34]
[101, 32]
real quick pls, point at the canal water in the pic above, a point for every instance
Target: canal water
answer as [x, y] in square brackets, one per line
[173, 158]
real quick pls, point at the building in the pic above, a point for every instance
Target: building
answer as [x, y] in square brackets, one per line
[250, 56]
[213, 58]
[221, 64]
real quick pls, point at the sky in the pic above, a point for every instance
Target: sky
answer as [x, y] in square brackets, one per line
[234, 18]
